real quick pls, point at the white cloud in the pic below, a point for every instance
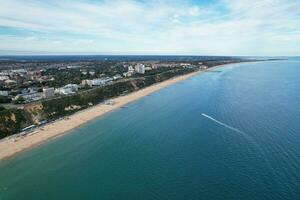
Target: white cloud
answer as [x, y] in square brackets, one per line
[269, 27]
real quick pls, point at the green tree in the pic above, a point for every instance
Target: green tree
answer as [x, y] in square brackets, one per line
[19, 100]
[4, 99]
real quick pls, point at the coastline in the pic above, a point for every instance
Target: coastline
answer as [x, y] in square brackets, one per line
[9, 147]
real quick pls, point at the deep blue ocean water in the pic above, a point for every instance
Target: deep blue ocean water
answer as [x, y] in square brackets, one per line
[229, 134]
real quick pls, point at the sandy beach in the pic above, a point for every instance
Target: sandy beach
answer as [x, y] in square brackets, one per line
[10, 147]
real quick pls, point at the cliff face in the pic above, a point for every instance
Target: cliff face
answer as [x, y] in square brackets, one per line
[34, 113]
[11, 121]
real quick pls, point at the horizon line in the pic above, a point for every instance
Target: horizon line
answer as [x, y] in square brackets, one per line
[187, 55]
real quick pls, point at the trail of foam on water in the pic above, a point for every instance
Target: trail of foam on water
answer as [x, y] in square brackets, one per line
[223, 124]
[245, 135]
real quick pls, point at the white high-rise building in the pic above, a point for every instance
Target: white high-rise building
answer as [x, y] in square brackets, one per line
[130, 69]
[140, 68]
[48, 92]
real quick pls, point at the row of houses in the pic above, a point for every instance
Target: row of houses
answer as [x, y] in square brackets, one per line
[33, 95]
[100, 81]
[97, 81]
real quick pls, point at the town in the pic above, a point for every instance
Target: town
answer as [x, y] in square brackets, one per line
[28, 82]
[38, 92]
[34, 93]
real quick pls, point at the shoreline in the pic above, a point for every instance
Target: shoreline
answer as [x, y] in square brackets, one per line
[9, 147]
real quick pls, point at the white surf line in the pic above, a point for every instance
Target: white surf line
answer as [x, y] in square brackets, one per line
[245, 135]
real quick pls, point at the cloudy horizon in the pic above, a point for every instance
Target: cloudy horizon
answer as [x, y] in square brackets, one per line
[217, 27]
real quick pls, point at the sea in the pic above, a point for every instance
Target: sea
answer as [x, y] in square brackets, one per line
[232, 133]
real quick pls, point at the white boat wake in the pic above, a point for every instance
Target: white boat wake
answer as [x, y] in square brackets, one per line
[245, 135]
[223, 124]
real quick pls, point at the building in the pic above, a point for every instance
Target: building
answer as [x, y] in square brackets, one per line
[130, 69]
[74, 87]
[148, 68]
[86, 82]
[203, 67]
[48, 92]
[140, 68]
[185, 64]
[30, 96]
[127, 74]
[84, 72]
[116, 77]
[28, 90]
[10, 82]
[73, 67]
[97, 82]
[67, 89]
[64, 91]
[4, 93]
[4, 73]
[154, 66]
[92, 73]
[4, 78]
[19, 71]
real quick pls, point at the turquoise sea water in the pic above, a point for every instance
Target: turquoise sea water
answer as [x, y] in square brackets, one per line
[229, 134]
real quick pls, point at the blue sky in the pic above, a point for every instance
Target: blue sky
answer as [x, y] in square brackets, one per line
[194, 27]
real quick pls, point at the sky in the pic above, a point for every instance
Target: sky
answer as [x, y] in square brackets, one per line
[156, 27]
